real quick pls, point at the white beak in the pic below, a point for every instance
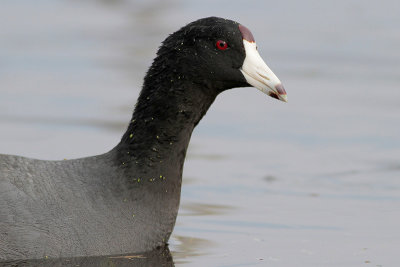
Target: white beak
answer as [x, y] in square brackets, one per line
[259, 75]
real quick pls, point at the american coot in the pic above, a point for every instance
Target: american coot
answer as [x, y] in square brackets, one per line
[127, 200]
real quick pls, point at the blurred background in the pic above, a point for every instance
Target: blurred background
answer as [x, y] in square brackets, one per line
[311, 182]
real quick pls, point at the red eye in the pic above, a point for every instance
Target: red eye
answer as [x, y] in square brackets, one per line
[221, 45]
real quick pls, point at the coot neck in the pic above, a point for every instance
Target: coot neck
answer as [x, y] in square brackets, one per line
[169, 107]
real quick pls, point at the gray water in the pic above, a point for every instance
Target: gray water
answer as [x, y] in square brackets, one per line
[314, 182]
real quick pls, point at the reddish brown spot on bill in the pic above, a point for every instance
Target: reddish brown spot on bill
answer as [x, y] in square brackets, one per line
[246, 34]
[273, 95]
[280, 89]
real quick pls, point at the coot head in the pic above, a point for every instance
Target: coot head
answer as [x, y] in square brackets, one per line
[218, 54]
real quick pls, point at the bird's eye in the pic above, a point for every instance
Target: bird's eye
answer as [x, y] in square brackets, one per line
[221, 45]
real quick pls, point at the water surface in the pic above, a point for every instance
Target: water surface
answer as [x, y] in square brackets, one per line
[314, 182]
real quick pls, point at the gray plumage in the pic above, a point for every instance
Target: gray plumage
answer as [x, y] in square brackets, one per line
[78, 207]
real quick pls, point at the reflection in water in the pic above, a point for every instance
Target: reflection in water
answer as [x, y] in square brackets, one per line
[160, 257]
[202, 209]
[189, 247]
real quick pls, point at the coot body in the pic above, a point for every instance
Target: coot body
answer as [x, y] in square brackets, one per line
[127, 199]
